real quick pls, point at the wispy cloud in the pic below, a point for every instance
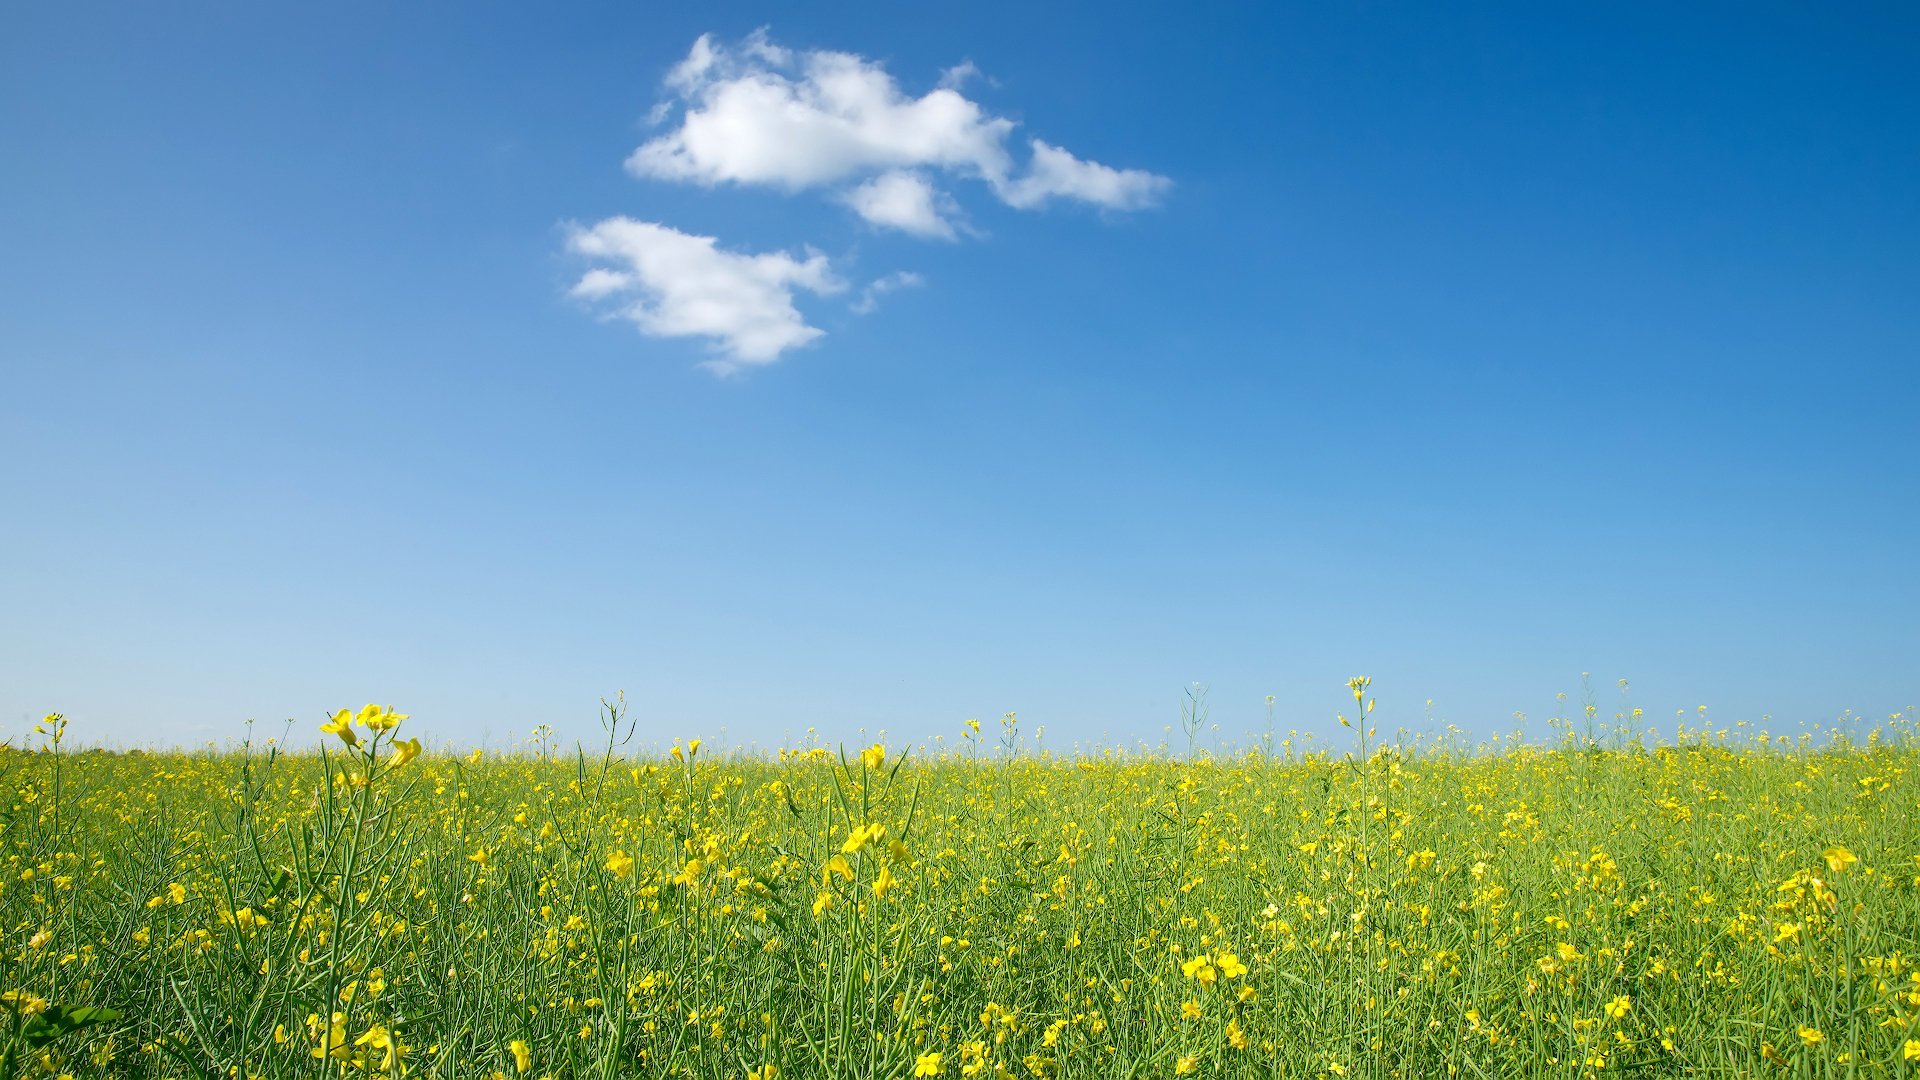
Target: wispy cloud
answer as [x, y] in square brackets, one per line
[959, 74]
[674, 284]
[870, 296]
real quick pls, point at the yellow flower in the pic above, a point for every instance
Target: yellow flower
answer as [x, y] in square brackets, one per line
[1619, 1007]
[861, 836]
[1230, 966]
[927, 1065]
[522, 1055]
[1186, 1064]
[1812, 1036]
[342, 725]
[332, 1036]
[873, 756]
[975, 725]
[25, 1003]
[1190, 1009]
[1200, 968]
[379, 1038]
[1839, 858]
[884, 881]
[379, 718]
[1912, 1051]
[404, 750]
[620, 864]
[764, 1072]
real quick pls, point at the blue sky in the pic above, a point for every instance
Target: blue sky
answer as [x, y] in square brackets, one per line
[1468, 347]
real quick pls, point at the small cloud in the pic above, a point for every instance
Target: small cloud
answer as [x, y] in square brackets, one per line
[870, 296]
[1056, 173]
[905, 201]
[959, 74]
[762, 114]
[674, 284]
[599, 283]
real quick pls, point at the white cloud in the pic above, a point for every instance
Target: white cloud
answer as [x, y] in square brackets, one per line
[906, 201]
[870, 296]
[757, 113]
[673, 284]
[956, 76]
[1057, 174]
[762, 114]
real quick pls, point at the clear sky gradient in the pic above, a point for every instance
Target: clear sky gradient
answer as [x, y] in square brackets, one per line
[1470, 347]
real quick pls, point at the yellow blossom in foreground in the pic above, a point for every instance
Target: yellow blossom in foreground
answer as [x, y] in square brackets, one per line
[404, 750]
[927, 1065]
[620, 864]
[379, 1039]
[379, 718]
[342, 725]
[873, 756]
[1839, 858]
[522, 1055]
[332, 1037]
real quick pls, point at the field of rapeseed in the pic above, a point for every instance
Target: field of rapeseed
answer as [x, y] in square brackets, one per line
[1723, 904]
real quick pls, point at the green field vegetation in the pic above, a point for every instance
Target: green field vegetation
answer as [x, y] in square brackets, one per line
[1725, 904]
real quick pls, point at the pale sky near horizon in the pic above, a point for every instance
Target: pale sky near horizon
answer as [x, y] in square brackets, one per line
[861, 367]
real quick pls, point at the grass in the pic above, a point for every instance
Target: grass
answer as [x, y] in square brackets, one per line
[1723, 905]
